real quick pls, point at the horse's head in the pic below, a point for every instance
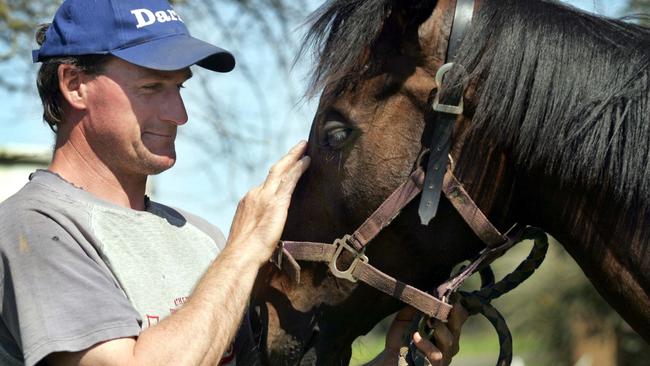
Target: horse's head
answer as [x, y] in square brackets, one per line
[377, 62]
[364, 142]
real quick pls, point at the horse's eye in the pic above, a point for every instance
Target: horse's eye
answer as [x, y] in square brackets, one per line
[336, 138]
[335, 134]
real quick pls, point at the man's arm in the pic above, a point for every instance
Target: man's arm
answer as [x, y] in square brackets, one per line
[200, 332]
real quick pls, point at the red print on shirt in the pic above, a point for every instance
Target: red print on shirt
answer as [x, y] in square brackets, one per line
[180, 300]
[152, 320]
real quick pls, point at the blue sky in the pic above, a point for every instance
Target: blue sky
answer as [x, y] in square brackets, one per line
[198, 183]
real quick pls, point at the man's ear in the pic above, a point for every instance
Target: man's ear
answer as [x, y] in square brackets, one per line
[71, 85]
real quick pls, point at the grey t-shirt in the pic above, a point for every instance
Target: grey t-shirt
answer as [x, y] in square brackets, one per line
[76, 270]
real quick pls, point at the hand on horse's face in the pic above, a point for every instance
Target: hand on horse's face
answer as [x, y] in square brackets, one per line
[446, 337]
[262, 213]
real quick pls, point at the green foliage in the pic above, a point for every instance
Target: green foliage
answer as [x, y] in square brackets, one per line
[18, 22]
[640, 7]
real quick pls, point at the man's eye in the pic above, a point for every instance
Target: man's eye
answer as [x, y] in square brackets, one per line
[151, 87]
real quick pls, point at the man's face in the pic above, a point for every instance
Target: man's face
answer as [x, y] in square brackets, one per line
[133, 116]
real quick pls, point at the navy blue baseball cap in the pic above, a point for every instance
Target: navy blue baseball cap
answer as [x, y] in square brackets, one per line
[147, 33]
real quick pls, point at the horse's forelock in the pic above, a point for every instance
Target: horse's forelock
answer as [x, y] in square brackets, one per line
[343, 34]
[340, 33]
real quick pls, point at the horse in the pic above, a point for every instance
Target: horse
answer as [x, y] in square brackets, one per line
[555, 133]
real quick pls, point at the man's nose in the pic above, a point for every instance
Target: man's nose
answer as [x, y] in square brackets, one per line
[173, 109]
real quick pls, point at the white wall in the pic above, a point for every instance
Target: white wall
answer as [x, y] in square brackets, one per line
[16, 163]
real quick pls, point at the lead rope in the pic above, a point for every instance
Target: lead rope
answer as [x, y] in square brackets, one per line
[479, 301]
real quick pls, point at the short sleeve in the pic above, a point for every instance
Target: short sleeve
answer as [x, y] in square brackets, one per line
[55, 296]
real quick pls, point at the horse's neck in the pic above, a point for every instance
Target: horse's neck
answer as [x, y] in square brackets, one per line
[608, 239]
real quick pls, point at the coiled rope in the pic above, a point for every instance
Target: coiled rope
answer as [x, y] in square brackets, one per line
[479, 301]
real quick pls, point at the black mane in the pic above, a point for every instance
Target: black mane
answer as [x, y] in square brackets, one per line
[564, 90]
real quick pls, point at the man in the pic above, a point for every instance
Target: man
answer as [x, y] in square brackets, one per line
[95, 273]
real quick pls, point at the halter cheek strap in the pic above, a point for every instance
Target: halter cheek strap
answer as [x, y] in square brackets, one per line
[446, 111]
[462, 20]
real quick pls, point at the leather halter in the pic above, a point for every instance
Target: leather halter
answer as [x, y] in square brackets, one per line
[288, 253]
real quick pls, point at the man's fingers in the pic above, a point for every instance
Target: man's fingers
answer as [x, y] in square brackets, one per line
[288, 182]
[433, 354]
[398, 332]
[280, 168]
[407, 314]
[444, 339]
[457, 318]
[446, 336]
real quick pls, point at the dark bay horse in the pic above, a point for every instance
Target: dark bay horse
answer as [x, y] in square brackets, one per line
[555, 133]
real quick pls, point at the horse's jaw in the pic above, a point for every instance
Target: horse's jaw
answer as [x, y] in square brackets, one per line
[286, 334]
[289, 314]
[301, 342]
[303, 327]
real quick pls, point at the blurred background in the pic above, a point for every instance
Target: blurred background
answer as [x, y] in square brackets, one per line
[241, 122]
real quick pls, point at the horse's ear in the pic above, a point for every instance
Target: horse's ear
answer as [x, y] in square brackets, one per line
[433, 27]
[414, 12]
[399, 27]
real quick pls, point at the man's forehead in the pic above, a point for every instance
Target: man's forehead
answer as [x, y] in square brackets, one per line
[143, 72]
[185, 73]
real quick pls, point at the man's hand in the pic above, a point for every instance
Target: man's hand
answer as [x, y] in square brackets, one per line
[262, 213]
[446, 337]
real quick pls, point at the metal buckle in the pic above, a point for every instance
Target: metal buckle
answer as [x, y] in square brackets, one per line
[445, 108]
[341, 244]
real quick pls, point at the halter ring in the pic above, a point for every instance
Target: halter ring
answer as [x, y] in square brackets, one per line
[341, 244]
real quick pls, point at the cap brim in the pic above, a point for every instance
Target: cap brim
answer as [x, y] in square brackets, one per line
[177, 52]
